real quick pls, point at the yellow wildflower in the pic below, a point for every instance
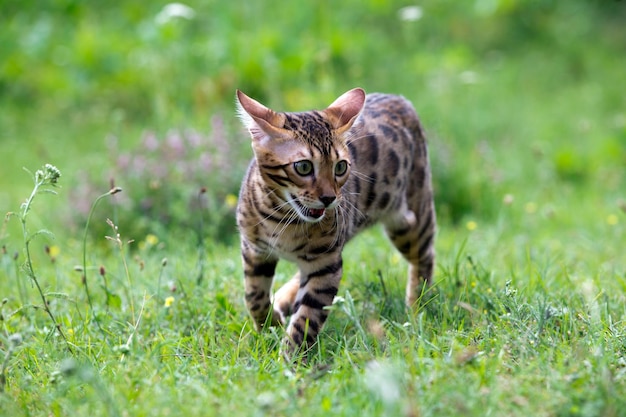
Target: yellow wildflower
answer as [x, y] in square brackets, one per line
[152, 239]
[231, 201]
[530, 207]
[54, 251]
[149, 241]
[169, 301]
[612, 219]
[471, 225]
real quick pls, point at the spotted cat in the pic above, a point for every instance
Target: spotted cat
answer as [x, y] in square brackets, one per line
[316, 180]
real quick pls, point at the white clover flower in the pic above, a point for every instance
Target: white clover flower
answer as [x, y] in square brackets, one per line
[173, 11]
[410, 13]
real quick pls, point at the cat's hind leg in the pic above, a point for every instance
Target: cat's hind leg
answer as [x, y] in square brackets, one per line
[414, 237]
[285, 297]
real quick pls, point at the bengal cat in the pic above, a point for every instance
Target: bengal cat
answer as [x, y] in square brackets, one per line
[317, 179]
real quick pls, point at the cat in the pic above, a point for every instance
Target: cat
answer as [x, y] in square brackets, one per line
[316, 180]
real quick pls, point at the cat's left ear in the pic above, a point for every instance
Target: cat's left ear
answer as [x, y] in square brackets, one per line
[344, 111]
[260, 121]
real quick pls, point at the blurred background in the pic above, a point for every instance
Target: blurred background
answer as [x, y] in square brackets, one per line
[522, 100]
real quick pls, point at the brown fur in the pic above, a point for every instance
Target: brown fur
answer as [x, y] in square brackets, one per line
[307, 219]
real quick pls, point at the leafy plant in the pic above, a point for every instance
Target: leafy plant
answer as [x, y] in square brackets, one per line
[45, 180]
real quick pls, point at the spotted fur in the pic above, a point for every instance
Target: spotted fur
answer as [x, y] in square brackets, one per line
[298, 204]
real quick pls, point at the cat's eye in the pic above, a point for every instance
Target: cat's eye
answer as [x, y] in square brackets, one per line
[303, 167]
[341, 167]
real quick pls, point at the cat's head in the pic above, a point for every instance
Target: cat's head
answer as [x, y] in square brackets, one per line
[303, 157]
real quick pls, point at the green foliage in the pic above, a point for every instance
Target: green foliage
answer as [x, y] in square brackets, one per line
[524, 113]
[172, 183]
[105, 68]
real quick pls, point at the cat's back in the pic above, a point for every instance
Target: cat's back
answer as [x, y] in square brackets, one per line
[390, 110]
[386, 134]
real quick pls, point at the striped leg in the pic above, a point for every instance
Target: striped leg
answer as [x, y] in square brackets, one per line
[259, 274]
[317, 290]
[416, 243]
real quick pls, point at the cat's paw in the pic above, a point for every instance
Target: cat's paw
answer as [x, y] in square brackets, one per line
[277, 318]
[272, 319]
[293, 353]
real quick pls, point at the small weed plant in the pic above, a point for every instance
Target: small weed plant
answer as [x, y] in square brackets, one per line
[45, 180]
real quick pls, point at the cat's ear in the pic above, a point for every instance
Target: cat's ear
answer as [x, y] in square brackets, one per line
[344, 111]
[260, 121]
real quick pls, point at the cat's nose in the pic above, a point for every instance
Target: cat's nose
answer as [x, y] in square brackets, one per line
[327, 200]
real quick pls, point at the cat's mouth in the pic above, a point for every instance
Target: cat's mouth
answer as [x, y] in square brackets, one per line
[309, 214]
[315, 213]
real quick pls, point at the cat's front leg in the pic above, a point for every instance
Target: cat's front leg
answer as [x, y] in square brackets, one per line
[259, 274]
[319, 283]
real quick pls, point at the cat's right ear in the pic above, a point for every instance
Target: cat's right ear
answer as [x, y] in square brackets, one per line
[260, 121]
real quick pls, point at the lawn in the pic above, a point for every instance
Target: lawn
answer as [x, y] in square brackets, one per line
[130, 303]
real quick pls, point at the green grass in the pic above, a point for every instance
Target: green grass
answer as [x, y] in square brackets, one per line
[524, 110]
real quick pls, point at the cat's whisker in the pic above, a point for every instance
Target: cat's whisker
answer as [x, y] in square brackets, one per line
[285, 222]
[352, 137]
[338, 225]
[362, 176]
[356, 209]
[272, 213]
[291, 216]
